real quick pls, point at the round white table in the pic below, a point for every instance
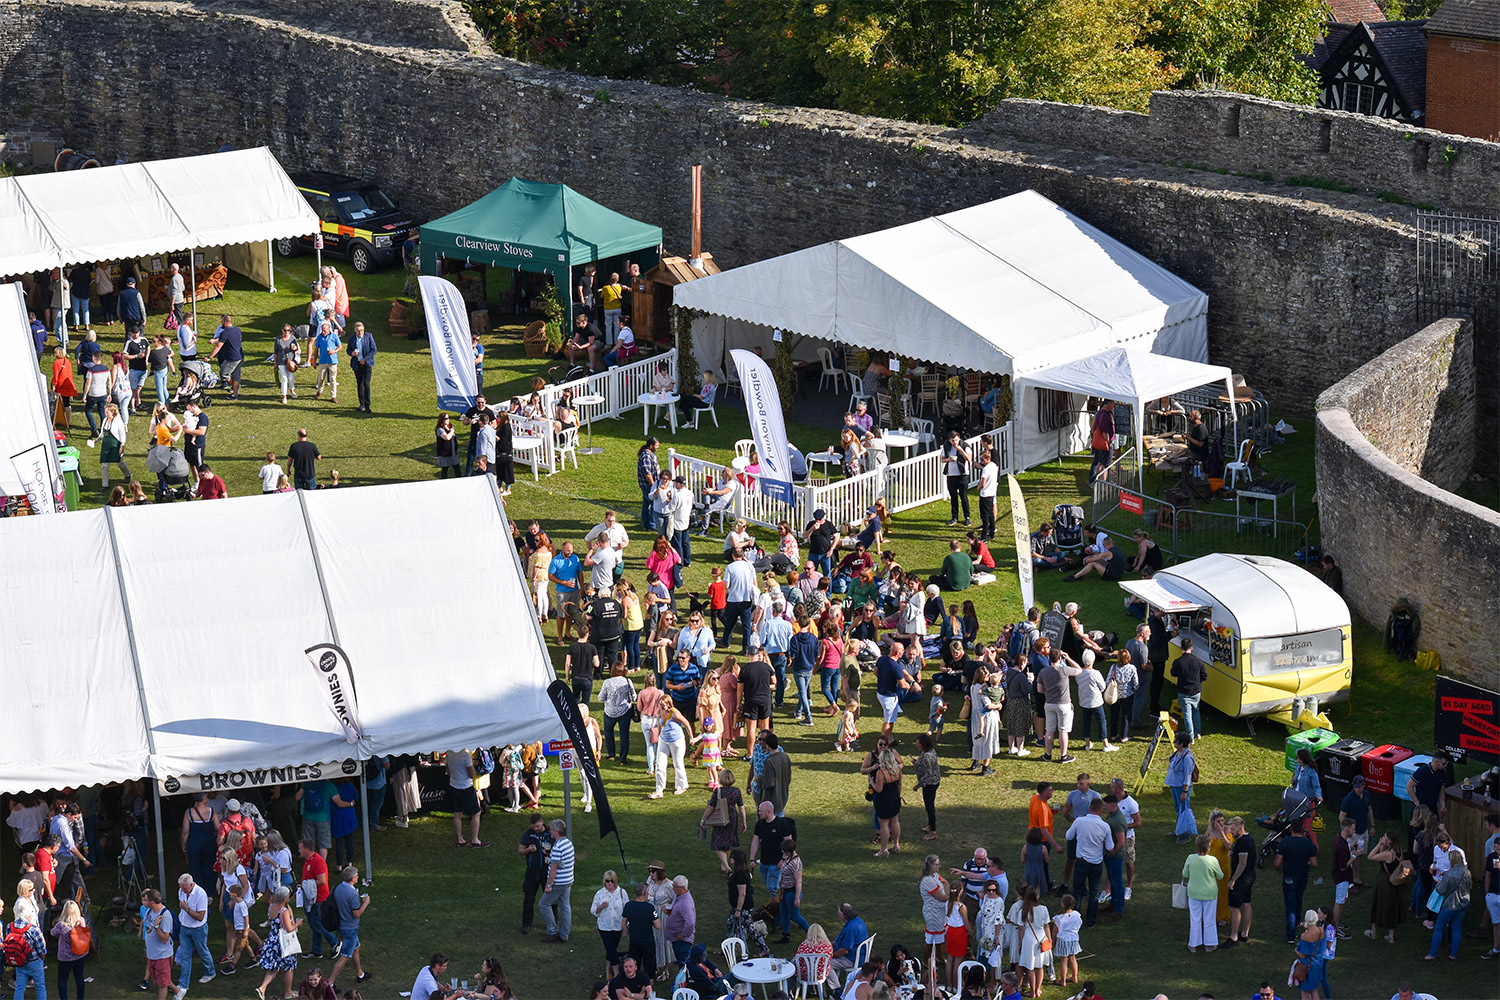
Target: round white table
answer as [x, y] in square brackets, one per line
[739, 463]
[896, 439]
[825, 459]
[764, 971]
[520, 445]
[586, 404]
[650, 399]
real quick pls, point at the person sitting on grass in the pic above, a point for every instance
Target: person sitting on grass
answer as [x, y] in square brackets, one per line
[1110, 563]
[1044, 551]
[958, 569]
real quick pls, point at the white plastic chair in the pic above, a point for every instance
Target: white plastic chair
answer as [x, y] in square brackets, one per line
[685, 993]
[964, 967]
[1247, 447]
[742, 447]
[733, 950]
[709, 409]
[811, 971]
[924, 431]
[722, 508]
[864, 951]
[857, 395]
[567, 444]
[828, 371]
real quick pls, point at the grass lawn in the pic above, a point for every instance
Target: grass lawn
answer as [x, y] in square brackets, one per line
[428, 896]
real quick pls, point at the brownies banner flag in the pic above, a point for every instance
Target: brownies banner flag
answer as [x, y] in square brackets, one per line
[337, 681]
[452, 352]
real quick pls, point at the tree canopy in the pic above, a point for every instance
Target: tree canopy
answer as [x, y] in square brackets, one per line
[937, 61]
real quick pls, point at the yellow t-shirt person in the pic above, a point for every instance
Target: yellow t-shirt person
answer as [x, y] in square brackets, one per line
[611, 295]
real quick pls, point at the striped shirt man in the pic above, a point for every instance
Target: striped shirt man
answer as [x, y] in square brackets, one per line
[561, 861]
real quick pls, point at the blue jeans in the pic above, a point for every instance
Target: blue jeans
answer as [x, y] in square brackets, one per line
[80, 311]
[823, 563]
[650, 747]
[682, 541]
[376, 802]
[1192, 713]
[632, 646]
[1449, 922]
[648, 516]
[830, 686]
[93, 405]
[771, 876]
[34, 971]
[306, 482]
[1187, 823]
[1086, 887]
[319, 932]
[1138, 707]
[778, 664]
[1291, 894]
[622, 723]
[790, 912]
[1114, 867]
[1093, 717]
[804, 696]
[160, 379]
[737, 613]
[60, 327]
[193, 941]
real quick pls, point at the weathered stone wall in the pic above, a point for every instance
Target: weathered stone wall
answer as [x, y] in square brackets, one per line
[1304, 286]
[1406, 416]
[1284, 144]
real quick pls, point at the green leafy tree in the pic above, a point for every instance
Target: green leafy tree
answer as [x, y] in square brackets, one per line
[1249, 46]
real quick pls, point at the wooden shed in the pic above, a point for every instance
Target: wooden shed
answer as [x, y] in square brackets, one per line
[651, 295]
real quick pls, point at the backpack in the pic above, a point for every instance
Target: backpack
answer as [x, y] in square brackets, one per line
[17, 949]
[329, 912]
[1402, 629]
[313, 797]
[1022, 635]
[484, 761]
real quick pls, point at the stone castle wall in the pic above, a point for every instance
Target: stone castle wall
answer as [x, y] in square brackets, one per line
[1392, 439]
[1304, 285]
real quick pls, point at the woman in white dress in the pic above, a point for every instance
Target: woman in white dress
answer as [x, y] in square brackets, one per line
[662, 897]
[986, 721]
[990, 927]
[1032, 922]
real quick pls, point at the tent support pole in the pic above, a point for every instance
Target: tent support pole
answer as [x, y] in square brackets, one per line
[271, 266]
[161, 846]
[193, 286]
[364, 821]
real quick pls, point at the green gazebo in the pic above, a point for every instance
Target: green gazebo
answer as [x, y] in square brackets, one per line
[538, 227]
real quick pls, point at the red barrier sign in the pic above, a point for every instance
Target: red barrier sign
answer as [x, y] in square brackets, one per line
[1131, 502]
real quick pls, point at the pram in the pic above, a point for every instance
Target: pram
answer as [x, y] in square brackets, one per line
[197, 378]
[1067, 526]
[1294, 807]
[171, 469]
[572, 373]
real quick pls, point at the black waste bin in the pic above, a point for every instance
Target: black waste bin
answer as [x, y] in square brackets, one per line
[1338, 763]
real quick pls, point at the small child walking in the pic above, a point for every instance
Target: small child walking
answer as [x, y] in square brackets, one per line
[718, 597]
[708, 741]
[935, 712]
[848, 727]
[1068, 923]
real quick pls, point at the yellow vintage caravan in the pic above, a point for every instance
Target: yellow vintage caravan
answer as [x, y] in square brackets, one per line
[1274, 636]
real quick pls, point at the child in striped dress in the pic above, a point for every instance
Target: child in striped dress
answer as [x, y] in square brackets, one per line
[708, 741]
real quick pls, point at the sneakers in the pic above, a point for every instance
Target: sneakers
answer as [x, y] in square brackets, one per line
[1103, 896]
[1066, 758]
[1111, 748]
[1127, 893]
[1492, 953]
[1343, 932]
[207, 978]
[1023, 752]
[952, 521]
[1046, 756]
[181, 992]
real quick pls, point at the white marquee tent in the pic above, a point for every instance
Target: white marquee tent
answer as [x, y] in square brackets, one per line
[127, 656]
[24, 419]
[1006, 287]
[1134, 377]
[139, 209]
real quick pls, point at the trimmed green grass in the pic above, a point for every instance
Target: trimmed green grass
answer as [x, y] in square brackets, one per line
[429, 896]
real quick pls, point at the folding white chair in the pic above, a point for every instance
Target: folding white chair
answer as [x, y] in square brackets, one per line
[733, 950]
[828, 371]
[567, 444]
[1247, 448]
[811, 971]
[709, 409]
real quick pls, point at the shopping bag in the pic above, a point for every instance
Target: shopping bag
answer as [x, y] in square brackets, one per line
[1179, 896]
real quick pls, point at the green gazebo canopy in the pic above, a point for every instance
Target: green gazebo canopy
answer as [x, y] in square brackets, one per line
[535, 227]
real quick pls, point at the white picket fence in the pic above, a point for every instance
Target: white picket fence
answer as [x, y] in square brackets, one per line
[621, 388]
[906, 484]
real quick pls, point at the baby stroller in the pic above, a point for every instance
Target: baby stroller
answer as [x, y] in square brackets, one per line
[571, 373]
[171, 469]
[197, 378]
[1295, 807]
[1067, 526]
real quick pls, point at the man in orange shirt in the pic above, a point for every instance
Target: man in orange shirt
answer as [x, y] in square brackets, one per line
[1039, 815]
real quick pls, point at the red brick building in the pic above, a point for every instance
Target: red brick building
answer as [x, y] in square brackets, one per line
[1463, 68]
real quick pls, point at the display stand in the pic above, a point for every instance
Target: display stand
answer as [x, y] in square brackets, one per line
[1165, 730]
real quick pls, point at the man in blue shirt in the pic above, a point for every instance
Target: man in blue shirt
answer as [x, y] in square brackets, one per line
[229, 348]
[1295, 857]
[132, 307]
[682, 683]
[803, 652]
[892, 687]
[776, 640]
[328, 346]
[850, 938]
[38, 333]
[563, 572]
[362, 360]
